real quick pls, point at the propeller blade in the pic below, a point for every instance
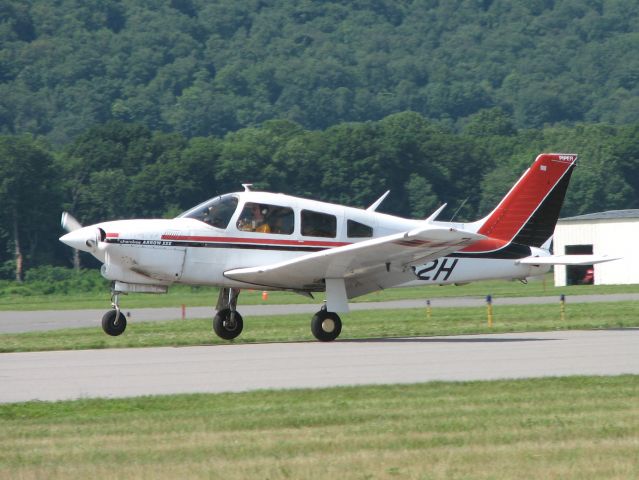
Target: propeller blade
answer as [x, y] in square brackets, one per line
[69, 223]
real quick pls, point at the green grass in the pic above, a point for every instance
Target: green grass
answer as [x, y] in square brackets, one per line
[362, 324]
[207, 296]
[558, 428]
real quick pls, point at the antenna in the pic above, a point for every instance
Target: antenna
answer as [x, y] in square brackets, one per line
[459, 208]
[247, 186]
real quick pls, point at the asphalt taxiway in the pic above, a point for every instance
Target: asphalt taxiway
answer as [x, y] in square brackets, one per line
[64, 375]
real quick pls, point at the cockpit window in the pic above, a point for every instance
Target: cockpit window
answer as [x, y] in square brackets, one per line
[264, 218]
[216, 212]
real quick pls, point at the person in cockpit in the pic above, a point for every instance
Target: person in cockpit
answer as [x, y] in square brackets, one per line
[253, 219]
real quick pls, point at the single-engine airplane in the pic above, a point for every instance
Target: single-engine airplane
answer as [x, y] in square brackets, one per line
[270, 241]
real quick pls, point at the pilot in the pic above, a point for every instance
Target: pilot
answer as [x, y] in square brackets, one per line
[261, 225]
[254, 220]
[207, 215]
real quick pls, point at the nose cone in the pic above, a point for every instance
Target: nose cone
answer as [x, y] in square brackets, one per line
[85, 239]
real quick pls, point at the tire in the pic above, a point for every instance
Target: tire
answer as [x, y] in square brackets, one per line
[326, 326]
[111, 326]
[223, 326]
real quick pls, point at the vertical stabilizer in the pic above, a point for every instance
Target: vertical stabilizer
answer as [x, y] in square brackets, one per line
[528, 213]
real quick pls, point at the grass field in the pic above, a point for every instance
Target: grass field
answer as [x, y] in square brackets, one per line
[569, 428]
[561, 428]
[362, 324]
[207, 296]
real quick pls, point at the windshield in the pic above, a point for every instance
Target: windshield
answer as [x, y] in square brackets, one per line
[216, 212]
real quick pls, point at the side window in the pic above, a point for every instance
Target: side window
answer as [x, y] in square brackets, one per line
[264, 218]
[316, 224]
[358, 230]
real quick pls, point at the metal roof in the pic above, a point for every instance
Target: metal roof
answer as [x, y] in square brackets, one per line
[609, 215]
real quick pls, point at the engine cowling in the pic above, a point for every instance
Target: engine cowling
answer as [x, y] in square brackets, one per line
[86, 239]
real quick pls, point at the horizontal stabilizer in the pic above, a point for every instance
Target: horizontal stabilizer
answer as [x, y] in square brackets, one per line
[567, 260]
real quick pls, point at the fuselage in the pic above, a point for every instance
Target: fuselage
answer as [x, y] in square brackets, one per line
[220, 235]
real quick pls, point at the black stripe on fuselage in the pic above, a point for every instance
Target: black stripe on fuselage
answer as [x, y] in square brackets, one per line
[512, 251]
[242, 246]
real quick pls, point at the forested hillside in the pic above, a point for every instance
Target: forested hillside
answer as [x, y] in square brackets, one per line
[201, 67]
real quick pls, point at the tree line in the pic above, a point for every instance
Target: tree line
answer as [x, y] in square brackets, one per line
[127, 170]
[205, 68]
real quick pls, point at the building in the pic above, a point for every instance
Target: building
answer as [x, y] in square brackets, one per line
[612, 233]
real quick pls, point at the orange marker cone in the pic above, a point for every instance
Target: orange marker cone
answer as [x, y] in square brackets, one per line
[264, 295]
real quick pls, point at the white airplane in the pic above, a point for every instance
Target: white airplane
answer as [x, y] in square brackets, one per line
[271, 241]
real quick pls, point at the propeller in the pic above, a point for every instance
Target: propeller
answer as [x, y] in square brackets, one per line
[69, 223]
[79, 237]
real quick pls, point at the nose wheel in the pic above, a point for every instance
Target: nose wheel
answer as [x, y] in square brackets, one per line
[326, 326]
[114, 321]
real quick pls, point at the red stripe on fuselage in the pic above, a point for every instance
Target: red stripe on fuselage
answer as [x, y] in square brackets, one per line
[254, 240]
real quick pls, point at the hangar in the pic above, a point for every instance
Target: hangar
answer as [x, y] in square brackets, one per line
[612, 233]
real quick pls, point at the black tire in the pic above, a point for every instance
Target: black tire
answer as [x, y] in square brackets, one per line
[326, 326]
[224, 327]
[111, 326]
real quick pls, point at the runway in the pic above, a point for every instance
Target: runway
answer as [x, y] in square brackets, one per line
[64, 375]
[30, 321]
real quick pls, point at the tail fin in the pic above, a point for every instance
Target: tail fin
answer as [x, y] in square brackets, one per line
[528, 213]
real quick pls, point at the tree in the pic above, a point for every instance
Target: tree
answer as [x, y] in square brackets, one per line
[28, 197]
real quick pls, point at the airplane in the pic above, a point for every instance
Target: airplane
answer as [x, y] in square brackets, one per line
[271, 241]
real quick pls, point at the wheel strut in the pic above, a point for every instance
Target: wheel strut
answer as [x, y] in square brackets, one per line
[115, 303]
[228, 322]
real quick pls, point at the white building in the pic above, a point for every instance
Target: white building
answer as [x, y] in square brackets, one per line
[612, 233]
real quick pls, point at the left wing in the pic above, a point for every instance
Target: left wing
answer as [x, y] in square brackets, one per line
[358, 262]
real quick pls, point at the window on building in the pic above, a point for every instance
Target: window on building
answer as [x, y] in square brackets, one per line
[579, 274]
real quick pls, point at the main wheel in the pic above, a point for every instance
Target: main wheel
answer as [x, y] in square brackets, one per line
[111, 325]
[326, 326]
[227, 324]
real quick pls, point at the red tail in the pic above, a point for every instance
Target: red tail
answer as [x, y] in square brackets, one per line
[528, 213]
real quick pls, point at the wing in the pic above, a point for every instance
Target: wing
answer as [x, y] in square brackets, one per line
[358, 263]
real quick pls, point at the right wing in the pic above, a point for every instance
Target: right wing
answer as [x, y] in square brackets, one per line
[358, 262]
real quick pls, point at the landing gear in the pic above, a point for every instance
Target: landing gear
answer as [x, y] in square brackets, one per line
[114, 321]
[326, 326]
[228, 323]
